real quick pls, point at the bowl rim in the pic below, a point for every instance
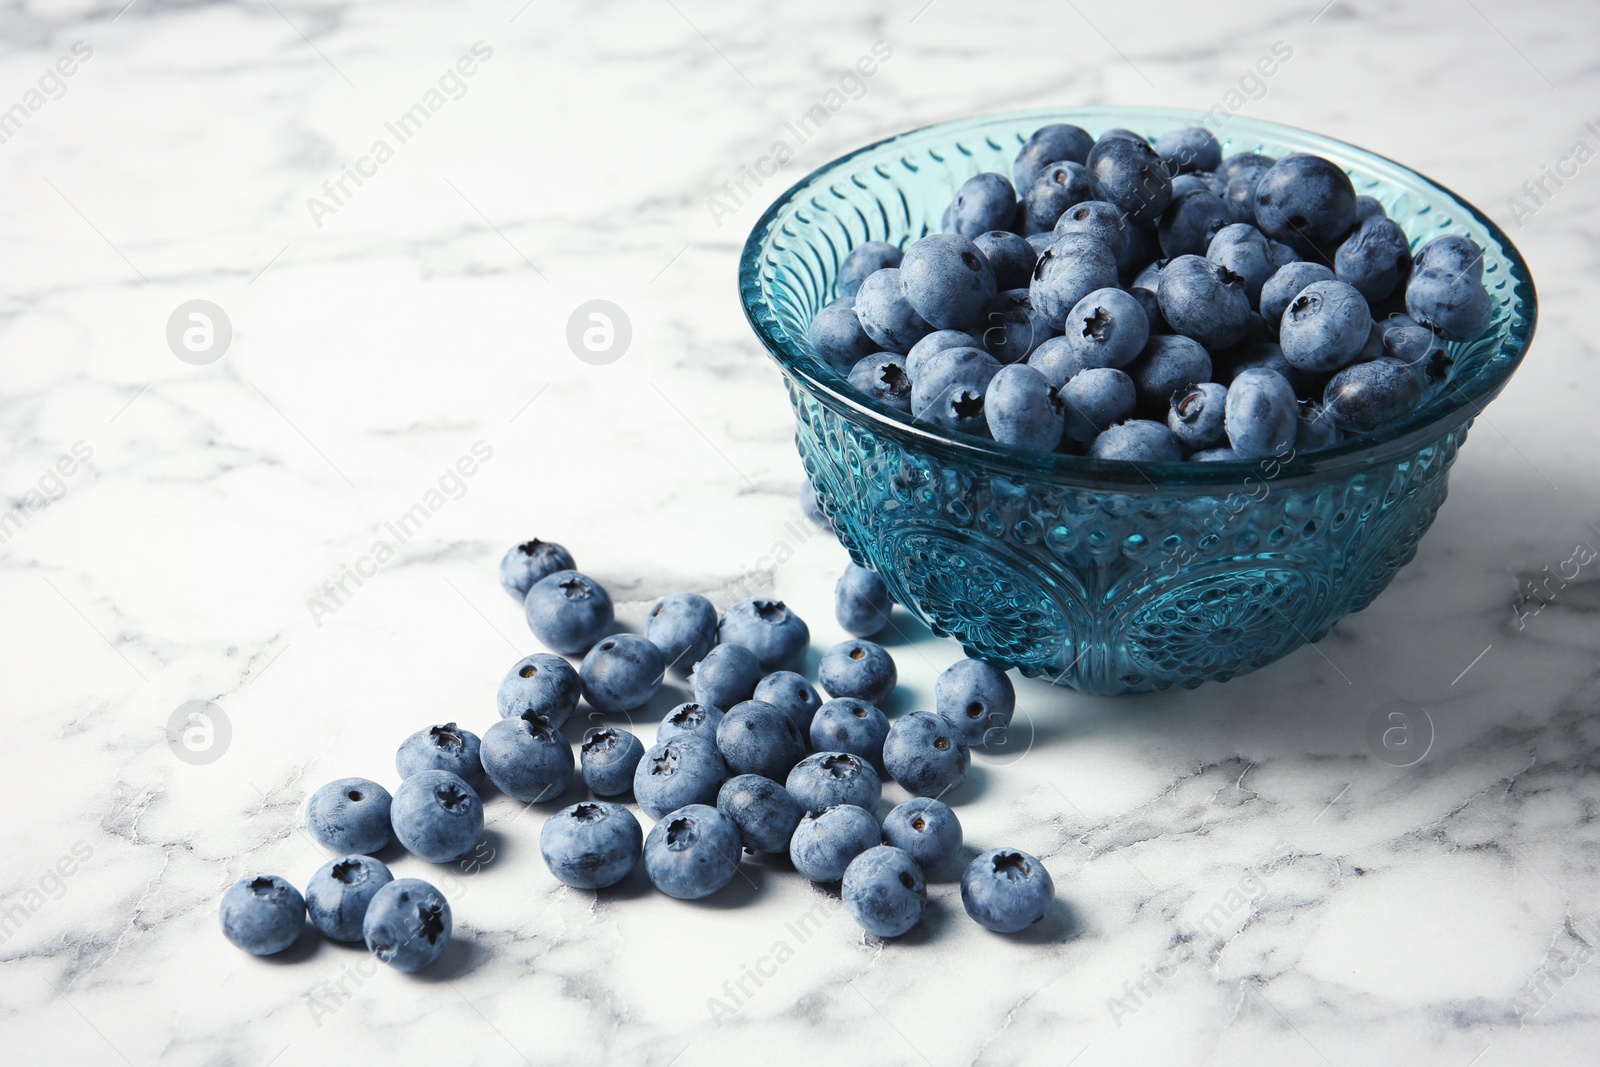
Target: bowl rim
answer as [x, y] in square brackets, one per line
[1382, 446]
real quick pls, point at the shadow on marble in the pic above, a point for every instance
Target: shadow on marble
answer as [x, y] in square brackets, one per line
[461, 957]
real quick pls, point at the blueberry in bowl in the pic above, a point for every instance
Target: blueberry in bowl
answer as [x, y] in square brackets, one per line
[1144, 561]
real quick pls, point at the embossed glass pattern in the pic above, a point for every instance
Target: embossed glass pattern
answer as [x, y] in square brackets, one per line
[1099, 575]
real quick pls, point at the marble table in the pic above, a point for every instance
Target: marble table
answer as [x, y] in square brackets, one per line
[397, 210]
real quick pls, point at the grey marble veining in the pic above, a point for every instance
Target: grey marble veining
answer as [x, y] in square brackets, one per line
[1242, 878]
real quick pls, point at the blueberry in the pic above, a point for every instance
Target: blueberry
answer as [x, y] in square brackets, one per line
[1149, 277]
[1375, 258]
[1189, 183]
[984, 202]
[350, 815]
[858, 668]
[884, 314]
[1069, 270]
[339, 893]
[1265, 355]
[1324, 326]
[1050, 144]
[826, 779]
[591, 845]
[1454, 306]
[1242, 249]
[948, 390]
[1261, 413]
[862, 261]
[975, 698]
[791, 694]
[524, 564]
[1139, 441]
[1118, 133]
[925, 754]
[727, 675]
[1239, 162]
[1195, 417]
[1187, 227]
[699, 719]
[1451, 254]
[1130, 175]
[1059, 361]
[692, 852]
[861, 601]
[1168, 363]
[528, 759]
[1009, 255]
[1022, 411]
[756, 738]
[1318, 428]
[1286, 283]
[1144, 245]
[938, 341]
[1368, 208]
[778, 637]
[407, 924]
[568, 612]
[850, 725]
[838, 339]
[1007, 890]
[809, 508]
[1370, 395]
[1306, 202]
[543, 684]
[1095, 400]
[683, 627]
[1204, 301]
[1417, 347]
[762, 811]
[882, 377]
[947, 281]
[1281, 254]
[1097, 218]
[1108, 327]
[1190, 148]
[622, 673]
[1239, 194]
[609, 758]
[824, 844]
[1151, 305]
[446, 747]
[927, 829]
[1040, 241]
[437, 816]
[264, 914]
[1060, 186]
[1013, 329]
[884, 892]
[1215, 455]
[685, 769]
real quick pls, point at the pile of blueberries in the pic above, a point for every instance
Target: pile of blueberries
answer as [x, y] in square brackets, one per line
[1131, 301]
[757, 762]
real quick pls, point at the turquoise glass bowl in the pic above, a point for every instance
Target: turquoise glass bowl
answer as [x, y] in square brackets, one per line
[1101, 575]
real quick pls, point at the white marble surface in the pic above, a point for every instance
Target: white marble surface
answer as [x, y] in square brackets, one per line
[1242, 881]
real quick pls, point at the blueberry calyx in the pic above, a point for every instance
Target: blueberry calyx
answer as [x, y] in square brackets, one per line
[446, 736]
[450, 796]
[681, 833]
[348, 872]
[1012, 865]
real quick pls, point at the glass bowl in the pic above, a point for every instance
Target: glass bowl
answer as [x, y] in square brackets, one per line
[1107, 576]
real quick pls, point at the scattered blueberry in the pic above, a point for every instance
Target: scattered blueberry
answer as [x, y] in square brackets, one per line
[976, 698]
[700, 718]
[810, 508]
[407, 924]
[1007, 890]
[778, 637]
[568, 612]
[685, 769]
[884, 891]
[925, 754]
[762, 811]
[524, 564]
[543, 684]
[727, 675]
[824, 844]
[850, 725]
[339, 893]
[591, 845]
[692, 852]
[527, 759]
[684, 627]
[825, 779]
[858, 668]
[264, 914]
[610, 757]
[437, 816]
[861, 601]
[621, 673]
[756, 738]
[927, 829]
[350, 815]
[790, 693]
[446, 747]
